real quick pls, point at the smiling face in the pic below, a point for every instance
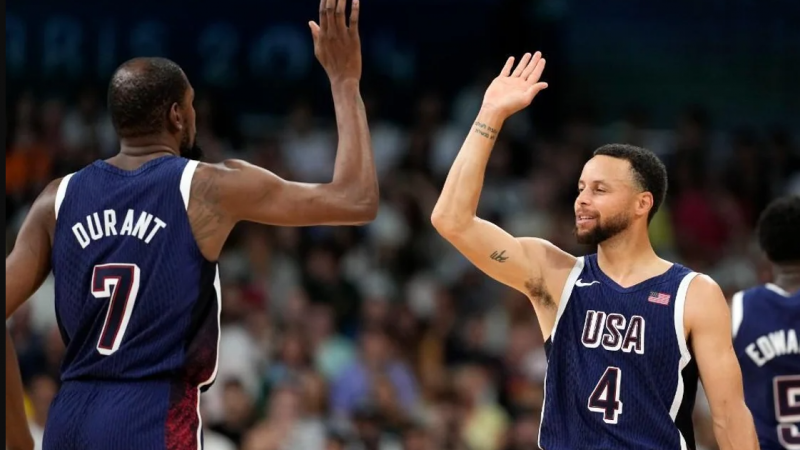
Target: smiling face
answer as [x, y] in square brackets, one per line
[609, 200]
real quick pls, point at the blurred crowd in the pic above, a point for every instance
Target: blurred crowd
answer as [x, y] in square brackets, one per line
[383, 337]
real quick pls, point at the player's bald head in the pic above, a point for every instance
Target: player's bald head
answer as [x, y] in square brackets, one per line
[141, 93]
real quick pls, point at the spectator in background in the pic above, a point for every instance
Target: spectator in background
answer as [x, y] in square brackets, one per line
[286, 425]
[357, 383]
[87, 129]
[292, 361]
[29, 162]
[524, 434]
[330, 319]
[418, 437]
[43, 389]
[485, 422]
[238, 415]
[324, 283]
[308, 150]
[332, 352]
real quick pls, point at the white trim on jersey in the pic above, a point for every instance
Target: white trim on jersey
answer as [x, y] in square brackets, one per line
[778, 290]
[62, 192]
[566, 293]
[680, 306]
[218, 291]
[186, 181]
[737, 312]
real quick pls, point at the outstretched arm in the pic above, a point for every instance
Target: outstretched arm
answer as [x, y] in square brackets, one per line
[517, 263]
[708, 321]
[26, 268]
[351, 198]
[224, 194]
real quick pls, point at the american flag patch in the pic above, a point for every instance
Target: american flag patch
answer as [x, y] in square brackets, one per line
[658, 297]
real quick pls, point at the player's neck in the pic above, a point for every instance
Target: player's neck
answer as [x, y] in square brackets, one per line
[628, 258]
[787, 277]
[148, 146]
[135, 152]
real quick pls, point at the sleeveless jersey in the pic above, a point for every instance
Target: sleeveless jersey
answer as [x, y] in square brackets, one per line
[620, 374]
[766, 328]
[135, 299]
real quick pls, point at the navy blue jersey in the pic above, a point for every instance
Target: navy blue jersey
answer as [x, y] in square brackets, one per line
[620, 373]
[766, 326]
[136, 301]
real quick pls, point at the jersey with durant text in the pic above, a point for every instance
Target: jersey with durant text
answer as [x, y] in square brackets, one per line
[766, 327]
[620, 373]
[135, 299]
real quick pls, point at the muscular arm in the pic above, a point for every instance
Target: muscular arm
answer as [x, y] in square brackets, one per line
[224, 194]
[518, 263]
[708, 322]
[26, 268]
[29, 262]
[351, 198]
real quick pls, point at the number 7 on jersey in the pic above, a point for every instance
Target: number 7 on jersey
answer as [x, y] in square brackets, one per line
[120, 284]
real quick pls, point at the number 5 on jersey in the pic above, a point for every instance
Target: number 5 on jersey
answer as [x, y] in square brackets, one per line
[120, 284]
[606, 394]
[787, 410]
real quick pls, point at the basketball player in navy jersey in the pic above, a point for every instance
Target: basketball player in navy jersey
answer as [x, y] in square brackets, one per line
[133, 243]
[766, 327]
[626, 331]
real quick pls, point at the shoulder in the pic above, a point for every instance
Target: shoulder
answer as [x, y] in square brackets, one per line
[50, 191]
[210, 182]
[231, 175]
[226, 167]
[703, 289]
[42, 214]
[51, 195]
[706, 305]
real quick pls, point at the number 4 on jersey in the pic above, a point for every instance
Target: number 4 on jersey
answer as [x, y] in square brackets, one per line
[120, 283]
[605, 396]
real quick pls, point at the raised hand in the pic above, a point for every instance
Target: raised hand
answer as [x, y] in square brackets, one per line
[337, 46]
[511, 92]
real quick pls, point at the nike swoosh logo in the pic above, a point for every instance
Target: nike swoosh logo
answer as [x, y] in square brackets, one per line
[579, 283]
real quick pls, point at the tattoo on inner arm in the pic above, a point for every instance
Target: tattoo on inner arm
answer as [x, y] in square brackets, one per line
[485, 130]
[499, 257]
[206, 217]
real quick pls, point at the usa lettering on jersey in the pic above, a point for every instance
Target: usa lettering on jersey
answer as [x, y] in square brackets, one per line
[614, 332]
[770, 346]
[145, 227]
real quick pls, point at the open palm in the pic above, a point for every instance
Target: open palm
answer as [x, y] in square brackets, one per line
[511, 92]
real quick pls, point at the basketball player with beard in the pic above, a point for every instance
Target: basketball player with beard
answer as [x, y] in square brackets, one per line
[133, 242]
[627, 333]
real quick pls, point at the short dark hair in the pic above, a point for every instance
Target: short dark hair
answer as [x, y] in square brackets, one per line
[779, 230]
[648, 171]
[141, 93]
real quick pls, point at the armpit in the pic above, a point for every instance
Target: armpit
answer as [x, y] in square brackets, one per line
[538, 293]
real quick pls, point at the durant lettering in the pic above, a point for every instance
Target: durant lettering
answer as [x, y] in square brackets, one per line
[104, 224]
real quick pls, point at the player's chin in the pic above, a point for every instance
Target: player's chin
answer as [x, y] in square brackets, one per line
[584, 227]
[584, 235]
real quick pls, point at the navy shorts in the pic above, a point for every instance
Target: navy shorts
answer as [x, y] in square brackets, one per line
[140, 415]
